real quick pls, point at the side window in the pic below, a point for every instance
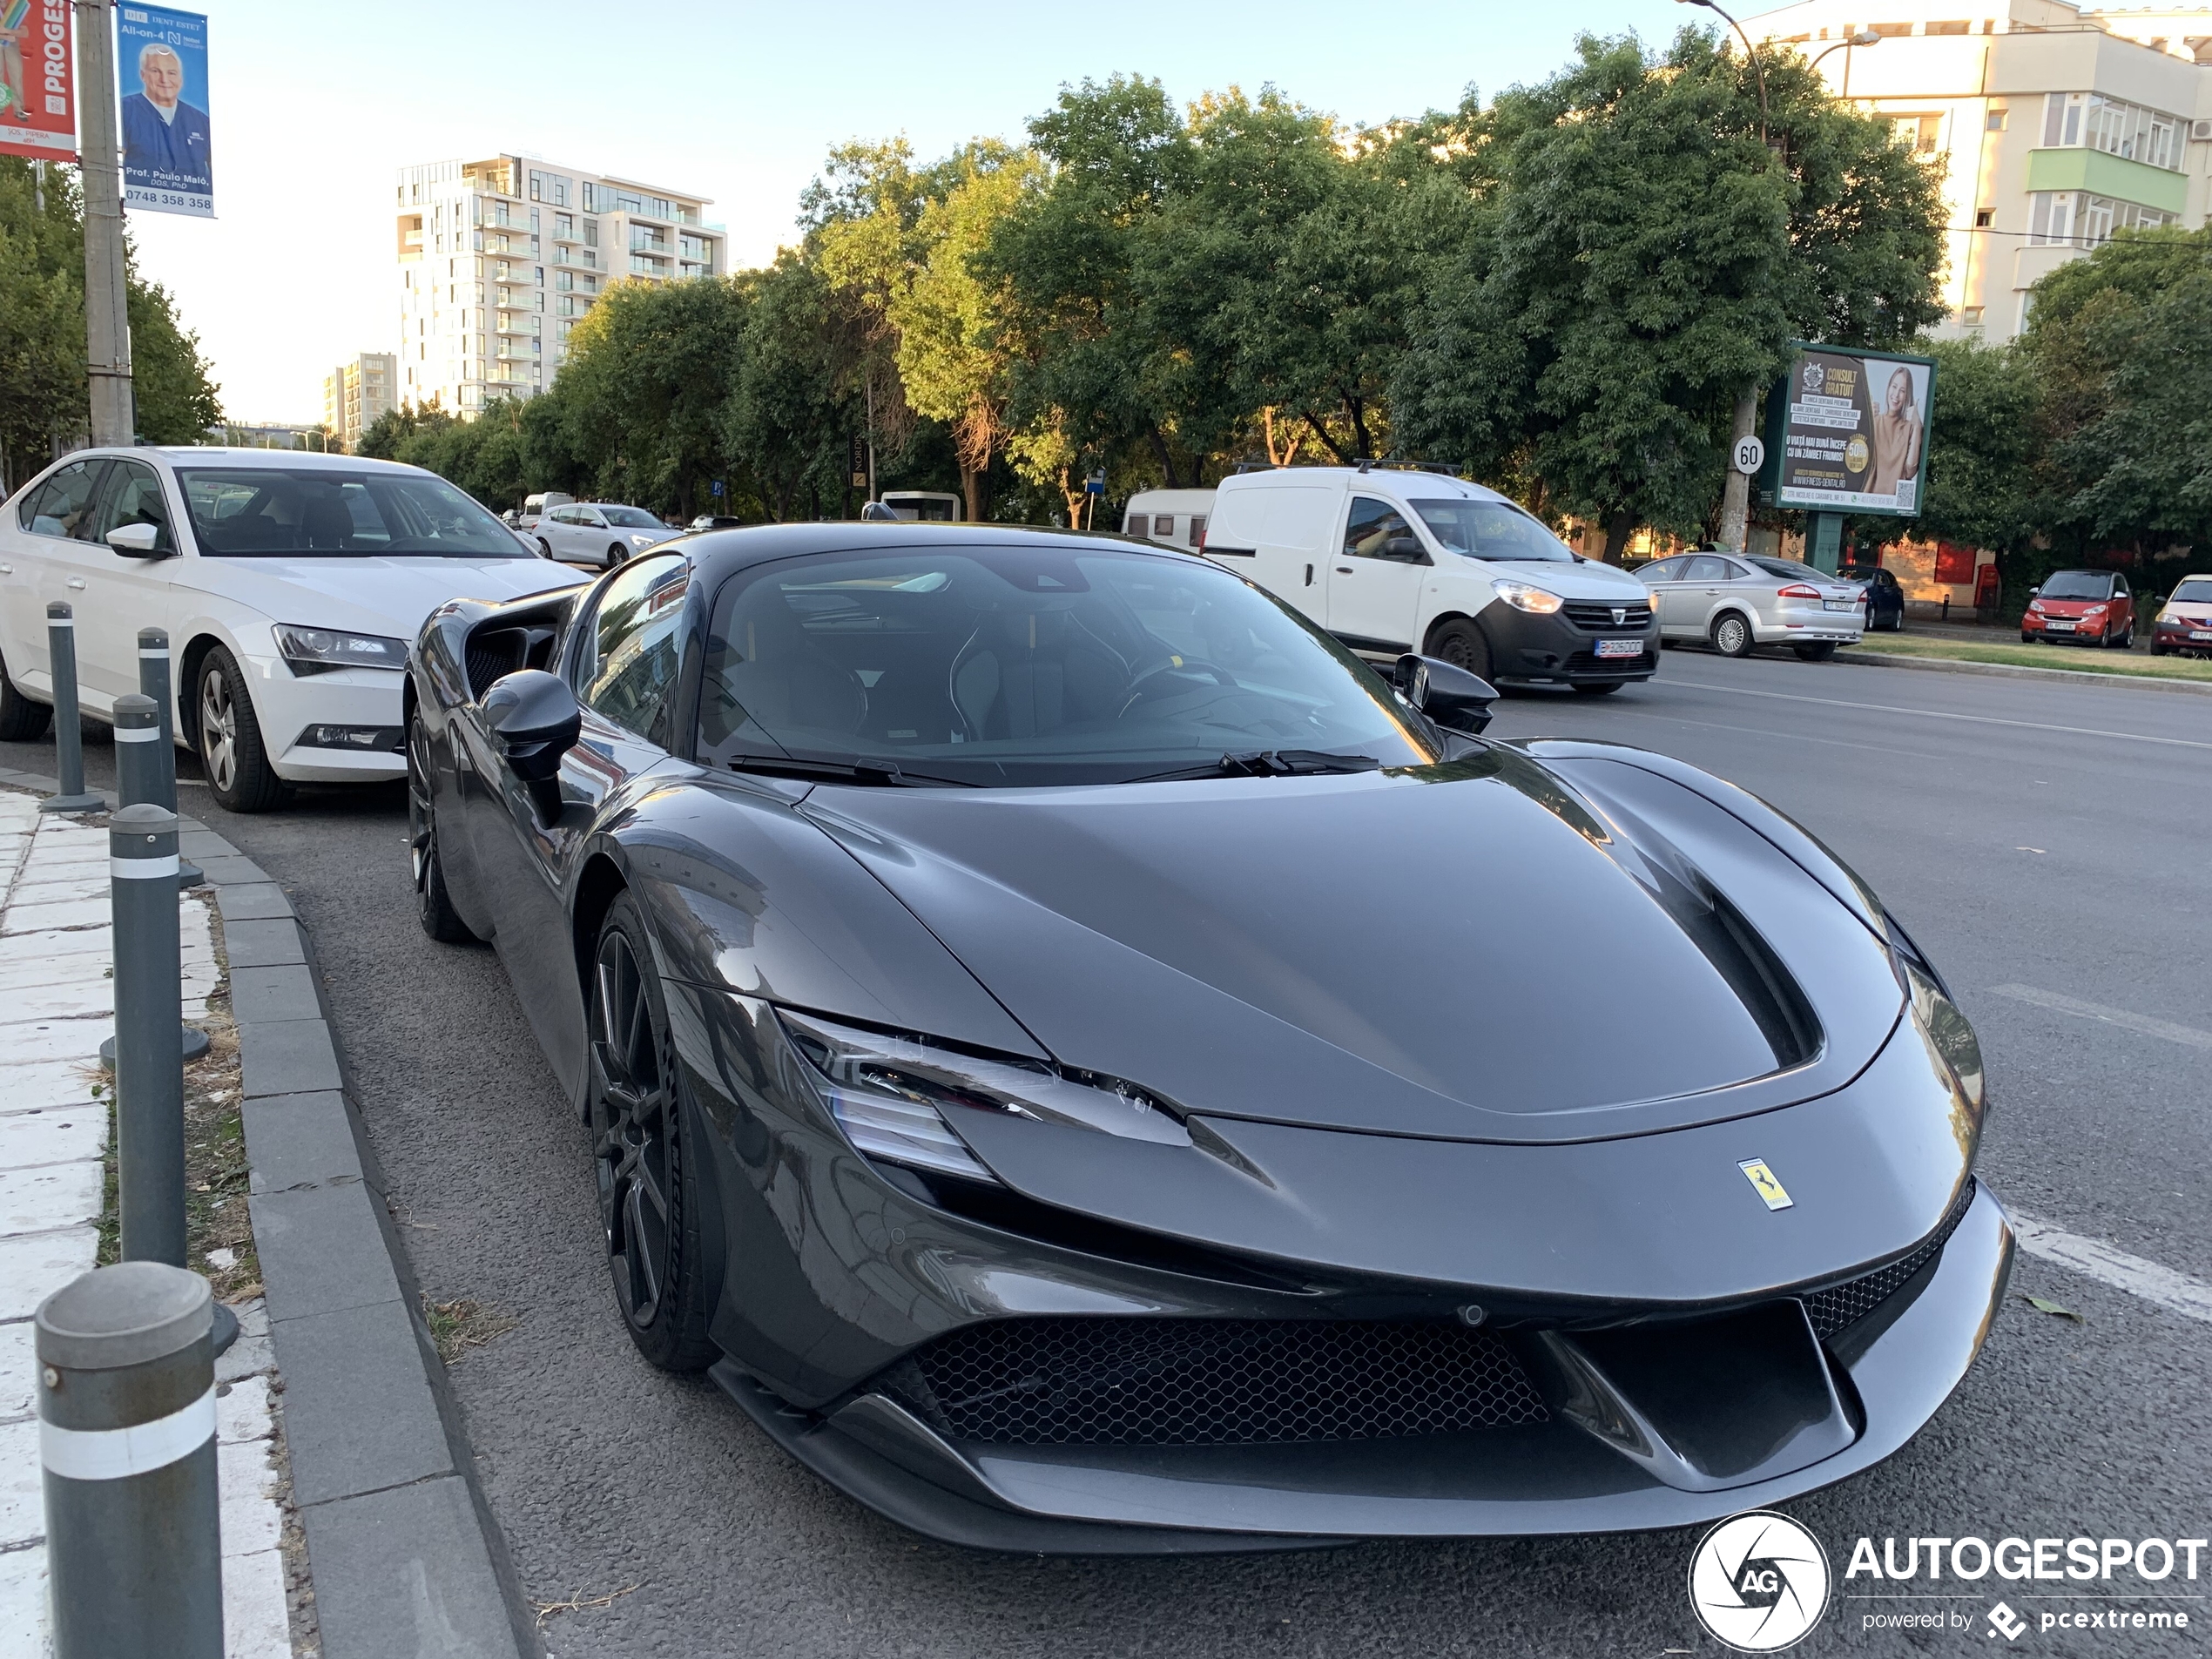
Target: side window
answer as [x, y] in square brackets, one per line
[2120, 588]
[1375, 530]
[629, 663]
[132, 496]
[1665, 571]
[63, 505]
[1707, 569]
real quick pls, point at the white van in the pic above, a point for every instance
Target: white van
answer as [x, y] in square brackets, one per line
[1393, 559]
[1171, 517]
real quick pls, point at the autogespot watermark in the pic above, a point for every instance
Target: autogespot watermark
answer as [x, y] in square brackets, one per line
[2142, 1584]
[1759, 1582]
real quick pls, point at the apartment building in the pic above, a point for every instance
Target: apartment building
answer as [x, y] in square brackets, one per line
[2055, 125]
[355, 394]
[498, 258]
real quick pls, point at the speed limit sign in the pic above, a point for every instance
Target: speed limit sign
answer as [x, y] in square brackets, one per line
[1750, 455]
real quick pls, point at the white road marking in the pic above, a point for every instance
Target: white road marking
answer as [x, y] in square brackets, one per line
[2188, 1035]
[2175, 1292]
[1942, 714]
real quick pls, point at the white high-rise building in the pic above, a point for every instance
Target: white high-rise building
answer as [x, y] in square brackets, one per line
[499, 258]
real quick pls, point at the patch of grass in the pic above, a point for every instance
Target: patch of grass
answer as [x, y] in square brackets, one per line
[2078, 659]
[458, 1326]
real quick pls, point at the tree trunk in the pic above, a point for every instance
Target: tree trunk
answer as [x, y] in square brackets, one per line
[1620, 525]
[1357, 413]
[1167, 456]
[1322, 433]
[971, 488]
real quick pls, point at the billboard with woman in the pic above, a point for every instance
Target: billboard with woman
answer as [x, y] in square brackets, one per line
[1847, 432]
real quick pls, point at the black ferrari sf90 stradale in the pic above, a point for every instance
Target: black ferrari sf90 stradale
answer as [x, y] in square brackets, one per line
[1092, 1066]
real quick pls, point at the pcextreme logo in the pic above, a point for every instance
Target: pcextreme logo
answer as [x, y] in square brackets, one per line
[1759, 1582]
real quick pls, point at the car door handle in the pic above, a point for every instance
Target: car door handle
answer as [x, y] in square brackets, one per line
[1344, 570]
[76, 582]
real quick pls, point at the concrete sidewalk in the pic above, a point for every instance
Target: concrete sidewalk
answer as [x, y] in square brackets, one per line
[56, 1006]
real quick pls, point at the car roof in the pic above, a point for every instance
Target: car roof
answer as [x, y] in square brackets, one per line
[286, 459]
[1400, 483]
[718, 553]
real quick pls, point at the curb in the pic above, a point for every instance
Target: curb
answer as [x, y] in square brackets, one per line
[404, 1556]
[2010, 671]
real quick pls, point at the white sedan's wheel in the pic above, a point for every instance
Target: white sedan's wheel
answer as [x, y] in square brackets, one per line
[231, 749]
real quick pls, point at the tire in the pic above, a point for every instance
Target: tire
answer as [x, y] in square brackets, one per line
[615, 554]
[2127, 640]
[544, 547]
[1816, 653]
[1732, 635]
[2027, 638]
[228, 738]
[432, 905]
[2157, 650]
[1461, 644]
[1598, 688]
[650, 1207]
[21, 720]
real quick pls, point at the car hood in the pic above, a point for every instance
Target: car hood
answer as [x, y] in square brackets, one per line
[1567, 580]
[372, 596]
[1488, 949]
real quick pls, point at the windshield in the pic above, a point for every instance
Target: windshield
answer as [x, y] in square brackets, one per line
[2194, 593]
[1491, 530]
[272, 513]
[1791, 570]
[1019, 666]
[631, 518]
[2077, 585]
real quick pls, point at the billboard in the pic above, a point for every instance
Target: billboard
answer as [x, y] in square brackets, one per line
[37, 86]
[161, 60]
[1847, 432]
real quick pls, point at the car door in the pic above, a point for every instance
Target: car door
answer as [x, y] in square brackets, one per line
[1375, 579]
[124, 594]
[559, 527]
[623, 663]
[40, 518]
[58, 552]
[1706, 586]
[1660, 578]
[2123, 608]
[593, 535]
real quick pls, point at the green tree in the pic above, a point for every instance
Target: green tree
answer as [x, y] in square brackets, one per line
[1982, 447]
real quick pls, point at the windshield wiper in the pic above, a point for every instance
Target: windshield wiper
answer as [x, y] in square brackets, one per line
[1269, 763]
[844, 772]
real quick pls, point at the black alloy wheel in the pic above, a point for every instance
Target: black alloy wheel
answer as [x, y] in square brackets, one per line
[648, 1195]
[21, 720]
[1461, 644]
[1732, 634]
[432, 906]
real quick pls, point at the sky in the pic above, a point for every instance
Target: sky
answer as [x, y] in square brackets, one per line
[315, 104]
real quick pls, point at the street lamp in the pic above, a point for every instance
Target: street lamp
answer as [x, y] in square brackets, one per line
[1750, 51]
[1863, 38]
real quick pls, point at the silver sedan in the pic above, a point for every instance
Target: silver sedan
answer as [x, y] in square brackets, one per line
[1733, 602]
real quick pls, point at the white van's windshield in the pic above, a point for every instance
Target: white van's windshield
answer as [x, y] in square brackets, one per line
[1491, 530]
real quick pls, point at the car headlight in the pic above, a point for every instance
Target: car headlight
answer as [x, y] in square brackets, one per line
[1521, 597]
[317, 651]
[1940, 1019]
[638, 538]
[901, 1099]
[2093, 610]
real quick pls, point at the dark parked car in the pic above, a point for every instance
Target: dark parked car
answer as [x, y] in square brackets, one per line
[952, 937]
[1885, 596]
[714, 522]
[2081, 608]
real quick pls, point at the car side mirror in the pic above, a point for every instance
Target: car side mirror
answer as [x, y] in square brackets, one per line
[1406, 548]
[2032, 592]
[534, 718]
[1453, 697]
[136, 541]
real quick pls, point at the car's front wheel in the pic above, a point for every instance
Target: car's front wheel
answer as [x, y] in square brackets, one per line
[1732, 636]
[21, 720]
[1461, 644]
[650, 1200]
[232, 751]
[432, 905]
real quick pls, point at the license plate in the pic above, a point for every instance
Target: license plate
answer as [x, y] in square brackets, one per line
[2058, 627]
[1620, 648]
[2201, 633]
[1839, 605]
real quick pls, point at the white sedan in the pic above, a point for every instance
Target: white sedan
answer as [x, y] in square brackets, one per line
[290, 585]
[599, 532]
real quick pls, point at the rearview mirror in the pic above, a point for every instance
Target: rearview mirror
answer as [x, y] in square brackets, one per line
[136, 541]
[1453, 697]
[535, 719]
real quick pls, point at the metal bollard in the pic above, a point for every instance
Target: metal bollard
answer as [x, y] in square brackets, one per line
[149, 1013]
[69, 740]
[153, 682]
[138, 739]
[126, 1435]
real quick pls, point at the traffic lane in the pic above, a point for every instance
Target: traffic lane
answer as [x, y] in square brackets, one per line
[2041, 846]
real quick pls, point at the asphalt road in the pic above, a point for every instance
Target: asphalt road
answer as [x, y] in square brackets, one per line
[2045, 838]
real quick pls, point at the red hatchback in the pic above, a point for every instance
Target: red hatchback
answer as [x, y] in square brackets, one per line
[2082, 607]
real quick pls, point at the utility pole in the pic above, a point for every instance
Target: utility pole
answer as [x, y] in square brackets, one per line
[107, 317]
[1735, 497]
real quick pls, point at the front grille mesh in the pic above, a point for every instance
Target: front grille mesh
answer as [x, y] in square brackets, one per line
[1597, 618]
[1182, 1382]
[1841, 1307]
